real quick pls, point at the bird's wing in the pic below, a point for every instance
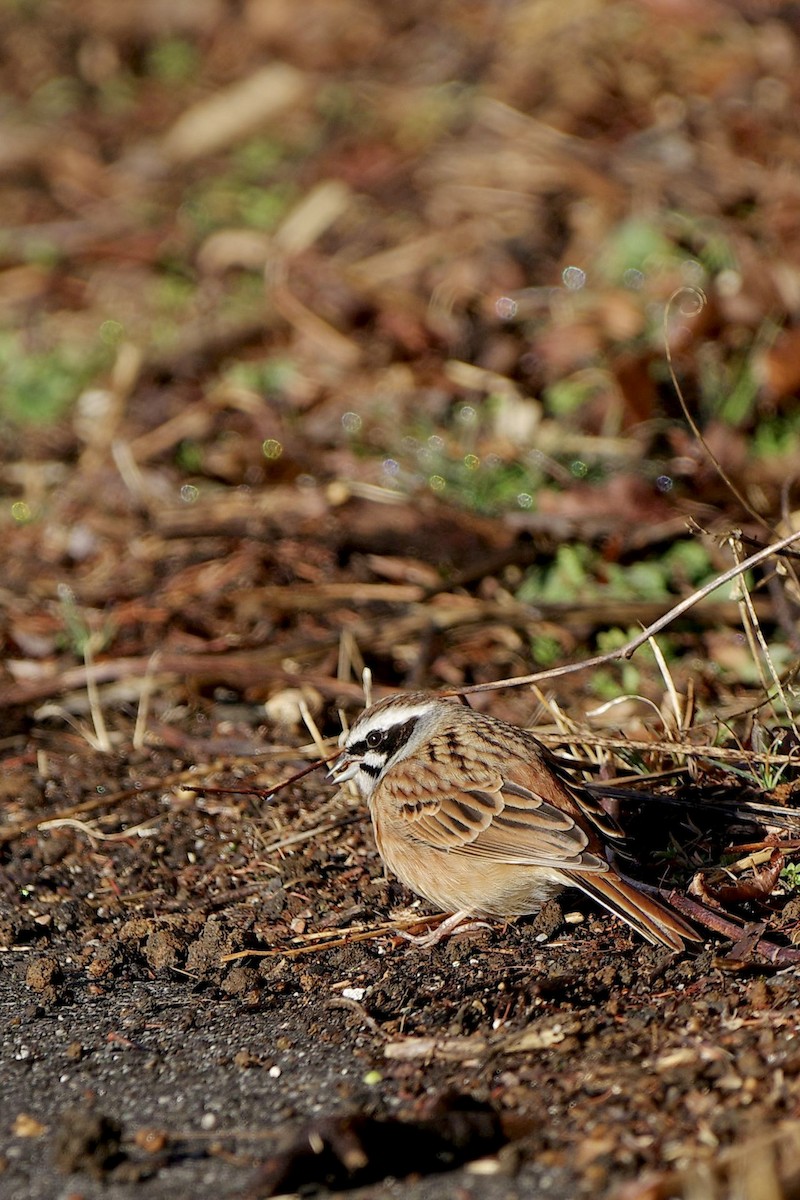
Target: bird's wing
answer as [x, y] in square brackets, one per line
[506, 819]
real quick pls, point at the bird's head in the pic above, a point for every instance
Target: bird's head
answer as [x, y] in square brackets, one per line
[384, 735]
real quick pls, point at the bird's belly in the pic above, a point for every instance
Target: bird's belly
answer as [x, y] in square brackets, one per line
[456, 882]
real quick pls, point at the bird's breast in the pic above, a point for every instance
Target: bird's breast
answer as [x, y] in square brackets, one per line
[454, 881]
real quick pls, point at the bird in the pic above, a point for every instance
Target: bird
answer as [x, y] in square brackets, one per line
[479, 818]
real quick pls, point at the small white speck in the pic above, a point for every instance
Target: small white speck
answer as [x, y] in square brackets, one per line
[351, 422]
[573, 278]
[506, 308]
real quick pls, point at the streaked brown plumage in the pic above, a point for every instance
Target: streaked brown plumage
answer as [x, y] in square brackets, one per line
[476, 816]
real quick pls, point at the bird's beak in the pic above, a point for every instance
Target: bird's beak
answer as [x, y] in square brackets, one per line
[344, 768]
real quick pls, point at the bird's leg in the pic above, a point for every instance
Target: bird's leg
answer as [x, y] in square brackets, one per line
[443, 930]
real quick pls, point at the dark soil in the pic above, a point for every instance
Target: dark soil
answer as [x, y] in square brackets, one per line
[134, 1057]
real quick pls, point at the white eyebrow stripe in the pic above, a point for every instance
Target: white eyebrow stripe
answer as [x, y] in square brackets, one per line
[385, 718]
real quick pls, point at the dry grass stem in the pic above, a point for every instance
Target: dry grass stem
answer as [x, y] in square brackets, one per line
[335, 939]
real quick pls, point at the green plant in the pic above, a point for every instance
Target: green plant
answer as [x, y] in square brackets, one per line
[57, 97]
[76, 630]
[688, 562]
[639, 581]
[268, 376]
[38, 387]
[728, 387]
[173, 60]
[567, 395]
[607, 684]
[705, 240]
[546, 651]
[636, 245]
[487, 485]
[777, 435]
[247, 193]
[790, 877]
[568, 577]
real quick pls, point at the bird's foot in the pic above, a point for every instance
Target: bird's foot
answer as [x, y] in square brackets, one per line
[443, 930]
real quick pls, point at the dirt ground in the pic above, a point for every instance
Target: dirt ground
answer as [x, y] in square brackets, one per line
[637, 1063]
[565, 1057]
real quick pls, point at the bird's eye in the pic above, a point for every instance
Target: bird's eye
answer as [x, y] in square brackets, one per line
[374, 738]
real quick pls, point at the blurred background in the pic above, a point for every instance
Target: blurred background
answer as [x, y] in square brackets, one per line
[379, 300]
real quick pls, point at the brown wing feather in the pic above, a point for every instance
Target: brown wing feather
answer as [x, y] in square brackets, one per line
[558, 787]
[504, 821]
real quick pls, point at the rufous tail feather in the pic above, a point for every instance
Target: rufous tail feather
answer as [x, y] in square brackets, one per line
[649, 918]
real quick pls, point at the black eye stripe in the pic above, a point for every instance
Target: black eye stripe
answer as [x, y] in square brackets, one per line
[393, 739]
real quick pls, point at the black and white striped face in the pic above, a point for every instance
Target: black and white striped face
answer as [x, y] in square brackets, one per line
[383, 736]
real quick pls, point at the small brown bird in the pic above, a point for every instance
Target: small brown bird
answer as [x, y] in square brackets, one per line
[479, 818]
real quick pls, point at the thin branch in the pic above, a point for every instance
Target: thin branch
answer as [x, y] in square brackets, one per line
[627, 651]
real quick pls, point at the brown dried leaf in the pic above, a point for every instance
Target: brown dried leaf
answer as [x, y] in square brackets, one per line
[757, 887]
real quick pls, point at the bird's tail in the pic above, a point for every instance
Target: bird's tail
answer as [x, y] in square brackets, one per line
[648, 917]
